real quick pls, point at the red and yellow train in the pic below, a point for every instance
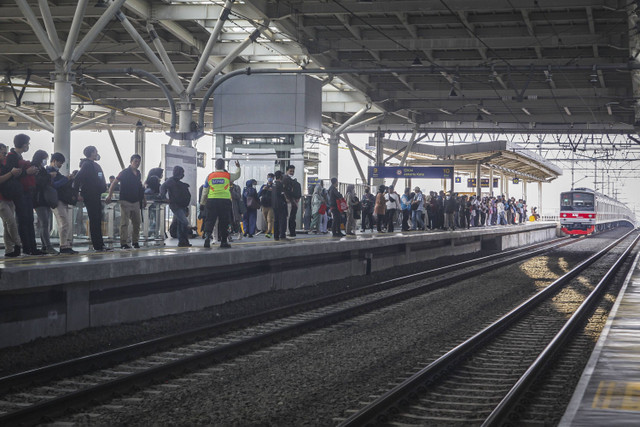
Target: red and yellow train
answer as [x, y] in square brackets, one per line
[584, 211]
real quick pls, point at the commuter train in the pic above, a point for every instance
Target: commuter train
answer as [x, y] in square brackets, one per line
[584, 211]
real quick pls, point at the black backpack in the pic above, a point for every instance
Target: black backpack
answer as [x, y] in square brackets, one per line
[296, 190]
[265, 198]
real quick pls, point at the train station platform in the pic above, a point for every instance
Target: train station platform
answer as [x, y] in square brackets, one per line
[53, 295]
[609, 391]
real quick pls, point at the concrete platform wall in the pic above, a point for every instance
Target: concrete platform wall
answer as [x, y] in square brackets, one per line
[54, 299]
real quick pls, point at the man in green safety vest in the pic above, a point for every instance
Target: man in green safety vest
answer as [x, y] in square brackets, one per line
[216, 196]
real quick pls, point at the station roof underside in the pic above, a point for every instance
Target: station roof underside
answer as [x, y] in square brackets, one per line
[501, 156]
[460, 65]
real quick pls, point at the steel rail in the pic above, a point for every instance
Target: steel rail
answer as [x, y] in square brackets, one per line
[122, 354]
[380, 408]
[58, 405]
[500, 413]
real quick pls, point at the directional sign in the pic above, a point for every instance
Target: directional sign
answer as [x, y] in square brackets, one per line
[410, 172]
[471, 182]
[516, 180]
[458, 179]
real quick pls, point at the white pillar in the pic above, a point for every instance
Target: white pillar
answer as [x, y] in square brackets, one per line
[478, 184]
[140, 142]
[333, 156]
[62, 117]
[524, 189]
[540, 197]
[186, 107]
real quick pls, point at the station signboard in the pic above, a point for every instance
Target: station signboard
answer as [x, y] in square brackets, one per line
[471, 182]
[516, 180]
[313, 180]
[437, 172]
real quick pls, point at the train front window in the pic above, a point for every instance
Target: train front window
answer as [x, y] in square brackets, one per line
[576, 202]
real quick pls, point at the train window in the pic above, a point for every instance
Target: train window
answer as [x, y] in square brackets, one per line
[576, 201]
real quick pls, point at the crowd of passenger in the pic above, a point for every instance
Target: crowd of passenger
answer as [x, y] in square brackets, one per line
[37, 186]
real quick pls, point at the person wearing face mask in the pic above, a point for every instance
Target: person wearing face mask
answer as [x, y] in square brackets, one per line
[41, 203]
[67, 199]
[24, 203]
[266, 202]
[91, 182]
[252, 204]
[179, 200]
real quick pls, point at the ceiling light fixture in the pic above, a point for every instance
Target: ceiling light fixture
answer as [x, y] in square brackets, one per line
[594, 76]
[487, 112]
[566, 110]
[416, 62]
[524, 110]
[609, 110]
[442, 110]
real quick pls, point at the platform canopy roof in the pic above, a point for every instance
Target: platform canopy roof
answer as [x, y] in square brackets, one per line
[503, 157]
[456, 65]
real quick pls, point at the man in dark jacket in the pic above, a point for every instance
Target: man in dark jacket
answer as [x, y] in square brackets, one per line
[336, 215]
[368, 201]
[279, 209]
[24, 205]
[179, 200]
[67, 198]
[91, 182]
[252, 204]
[131, 201]
[293, 193]
[450, 207]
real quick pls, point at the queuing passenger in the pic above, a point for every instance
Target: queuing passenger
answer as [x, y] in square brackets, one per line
[67, 198]
[324, 219]
[91, 183]
[179, 200]
[392, 200]
[450, 206]
[152, 183]
[279, 209]
[44, 199]
[266, 202]
[416, 214]
[238, 210]
[316, 207]
[24, 202]
[132, 201]
[111, 179]
[336, 216]
[380, 209]
[12, 242]
[252, 204]
[293, 193]
[352, 206]
[368, 203]
[405, 205]
[218, 202]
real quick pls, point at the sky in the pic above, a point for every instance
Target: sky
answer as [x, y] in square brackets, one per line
[347, 171]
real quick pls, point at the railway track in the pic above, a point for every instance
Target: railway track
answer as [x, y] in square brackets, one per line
[481, 381]
[44, 393]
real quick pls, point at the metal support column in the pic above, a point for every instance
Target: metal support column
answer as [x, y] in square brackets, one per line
[140, 142]
[186, 107]
[62, 116]
[491, 182]
[333, 156]
[379, 159]
[524, 189]
[478, 187]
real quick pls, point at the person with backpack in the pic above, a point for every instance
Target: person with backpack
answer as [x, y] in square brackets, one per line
[44, 201]
[67, 199]
[252, 204]
[367, 203]
[353, 210]
[23, 199]
[405, 205]
[179, 200]
[417, 208]
[12, 242]
[265, 195]
[293, 193]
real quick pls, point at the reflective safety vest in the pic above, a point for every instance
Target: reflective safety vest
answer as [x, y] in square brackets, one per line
[219, 182]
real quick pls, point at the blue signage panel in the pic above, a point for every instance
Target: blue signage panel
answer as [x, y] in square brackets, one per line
[484, 183]
[471, 182]
[458, 179]
[313, 180]
[495, 182]
[516, 180]
[411, 172]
